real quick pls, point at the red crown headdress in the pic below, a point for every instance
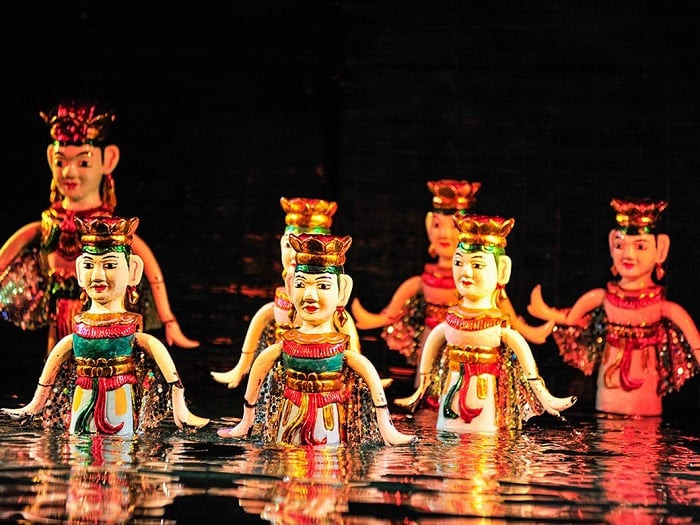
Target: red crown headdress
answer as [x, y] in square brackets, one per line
[483, 230]
[450, 196]
[637, 215]
[78, 122]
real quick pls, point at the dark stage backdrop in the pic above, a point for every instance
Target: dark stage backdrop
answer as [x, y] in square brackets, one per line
[555, 107]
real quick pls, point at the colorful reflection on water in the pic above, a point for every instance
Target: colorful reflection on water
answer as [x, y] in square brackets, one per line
[586, 469]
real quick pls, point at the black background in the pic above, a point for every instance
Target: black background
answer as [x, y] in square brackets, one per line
[555, 107]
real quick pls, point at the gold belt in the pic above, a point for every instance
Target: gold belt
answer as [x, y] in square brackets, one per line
[314, 382]
[475, 355]
[103, 367]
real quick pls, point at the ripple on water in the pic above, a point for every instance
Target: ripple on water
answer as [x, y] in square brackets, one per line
[586, 469]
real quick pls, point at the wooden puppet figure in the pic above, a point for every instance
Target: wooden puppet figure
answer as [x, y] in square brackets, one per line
[38, 286]
[641, 345]
[318, 392]
[108, 377]
[421, 302]
[302, 215]
[486, 375]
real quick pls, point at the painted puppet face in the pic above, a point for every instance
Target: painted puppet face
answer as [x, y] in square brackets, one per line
[77, 171]
[443, 234]
[104, 277]
[315, 296]
[287, 252]
[634, 256]
[476, 276]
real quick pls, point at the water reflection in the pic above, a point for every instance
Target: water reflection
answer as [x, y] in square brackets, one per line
[585, 470]
[69, 479]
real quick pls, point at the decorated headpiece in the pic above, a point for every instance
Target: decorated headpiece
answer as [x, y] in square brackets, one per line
[450, 196]
[319, 253]
[78, 122]
[482, 230]
[106, 234]
[637, 216]
[308, 215]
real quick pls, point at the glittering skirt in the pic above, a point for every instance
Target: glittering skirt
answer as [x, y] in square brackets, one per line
[583, 348]
[151, 393]
[360, 423]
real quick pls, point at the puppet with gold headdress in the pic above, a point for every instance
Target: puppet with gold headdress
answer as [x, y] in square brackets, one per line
[302, 215]
[421, 302]
[38, 286]
[320, 393]
[108, 377]
[483, 368]
[641, 345]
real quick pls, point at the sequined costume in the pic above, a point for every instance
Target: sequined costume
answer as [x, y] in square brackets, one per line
[109, 386]
[515, 400]
[312, 394]
[407, 333]
[32, 295]
[271, 334]
[583, 348]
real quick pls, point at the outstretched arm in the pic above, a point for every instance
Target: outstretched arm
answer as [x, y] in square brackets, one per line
[572, 316]
[434, 343]
[363, 367]
[258, 372]
[156, 349]
[233, 377]
[551, 404]
[366, 320]
[538, 308]
[534, 334]
[151, 269]
[58, 355]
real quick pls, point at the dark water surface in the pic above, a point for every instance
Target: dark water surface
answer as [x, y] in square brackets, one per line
[585, 469]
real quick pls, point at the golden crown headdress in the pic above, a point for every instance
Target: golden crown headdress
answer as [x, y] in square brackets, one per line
[319, 250]
[77, 122]
[99, 234]
[308, 215]
[450, 196]
[483, 230]
[637, 214]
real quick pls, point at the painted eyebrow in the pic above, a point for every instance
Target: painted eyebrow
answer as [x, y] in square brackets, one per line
[626, 239]
[107, 257]
[81, 154]
[315, 278]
